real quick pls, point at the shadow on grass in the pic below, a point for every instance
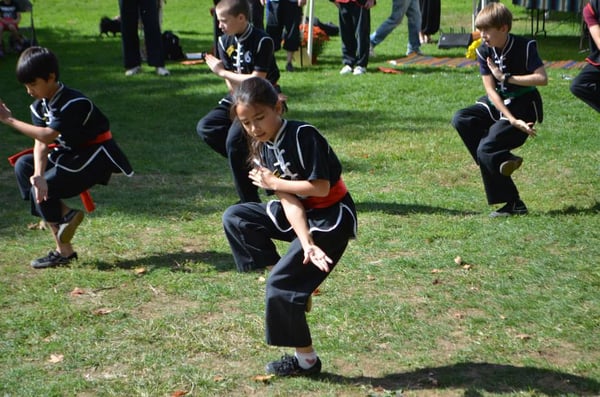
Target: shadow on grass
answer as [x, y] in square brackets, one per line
[477, 378]
[186, 262]
[406, 209]
[571, 210]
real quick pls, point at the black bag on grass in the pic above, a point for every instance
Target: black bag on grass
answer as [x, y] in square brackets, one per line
[171, 46]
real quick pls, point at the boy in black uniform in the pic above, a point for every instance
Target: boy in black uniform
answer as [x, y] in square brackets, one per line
[586, 86]
[73, 150]
[244, 51]
[510, 68]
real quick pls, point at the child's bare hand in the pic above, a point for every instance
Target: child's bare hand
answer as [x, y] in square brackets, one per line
[318, 258]
[262, 177]
[214, 63]
[494, 69]
[525, 127]
[5, 112]
[40, 187]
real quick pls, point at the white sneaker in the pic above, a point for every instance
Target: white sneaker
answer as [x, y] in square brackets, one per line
[132, 71]
[347, 69]
[359, 70]
[161, 71]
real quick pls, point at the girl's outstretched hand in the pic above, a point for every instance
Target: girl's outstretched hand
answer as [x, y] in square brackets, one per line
[318, 257]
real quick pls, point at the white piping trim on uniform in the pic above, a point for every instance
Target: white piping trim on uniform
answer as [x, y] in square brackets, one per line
[90, 159]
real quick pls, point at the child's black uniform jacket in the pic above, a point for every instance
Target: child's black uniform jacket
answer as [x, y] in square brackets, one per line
[300, 152]
[518, 57]
[250, 51]
[85, 139]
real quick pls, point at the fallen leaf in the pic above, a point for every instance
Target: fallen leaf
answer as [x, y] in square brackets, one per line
[316, 292]
[262, 279]
[434, 271]
[263, 378]
[370, 277]
[102, 311]
[140, 270]
[436, 281]
[458, 260]
[467, 267]
[179, 393]
[218, 378]
[523, 336]
[56, 358]
[78, 291]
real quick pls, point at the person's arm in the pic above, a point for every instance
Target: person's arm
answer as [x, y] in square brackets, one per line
[44, 135]
[232, 79]
[38, 181]
[538, 77]
[296, 216]
[264, 178]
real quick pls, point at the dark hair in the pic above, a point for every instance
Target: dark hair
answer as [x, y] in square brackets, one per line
[494, 15]
[36, 62]
[235, 7]
[254, 91]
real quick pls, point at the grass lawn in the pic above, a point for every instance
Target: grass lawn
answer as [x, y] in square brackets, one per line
[154, 306]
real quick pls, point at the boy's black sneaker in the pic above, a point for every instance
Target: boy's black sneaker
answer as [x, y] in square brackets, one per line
[515, 208]
[289, 67]
[53, 259]
[288, 366]
[510, 166]
[68, 225]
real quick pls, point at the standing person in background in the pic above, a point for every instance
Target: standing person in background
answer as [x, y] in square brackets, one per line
[244, 51]
[586, 86]
[283, 21]
[9, 20]
[355, 24]
[313, 211]
[413, 12]
[131, 12]
[430, 21]
[501, 121]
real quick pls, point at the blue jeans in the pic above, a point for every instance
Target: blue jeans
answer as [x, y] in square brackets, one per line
[412, 9]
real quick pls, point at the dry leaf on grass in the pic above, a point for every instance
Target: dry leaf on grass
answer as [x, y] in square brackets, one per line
[434, 271]
[458, 260]
[370, 277]
[179, 393]
[78, 291]
[102, 311]
[523, 336]
[138, 271]
[218, 378]
[56, 358]
[263, 378]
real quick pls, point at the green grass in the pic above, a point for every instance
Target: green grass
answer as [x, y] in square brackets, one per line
[398, 316]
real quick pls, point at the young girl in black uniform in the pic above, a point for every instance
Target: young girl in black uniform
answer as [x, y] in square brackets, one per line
[73, 150]
[510, 68]
[314, 212]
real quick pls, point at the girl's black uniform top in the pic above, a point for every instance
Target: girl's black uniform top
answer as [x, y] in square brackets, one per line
[300, 152]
